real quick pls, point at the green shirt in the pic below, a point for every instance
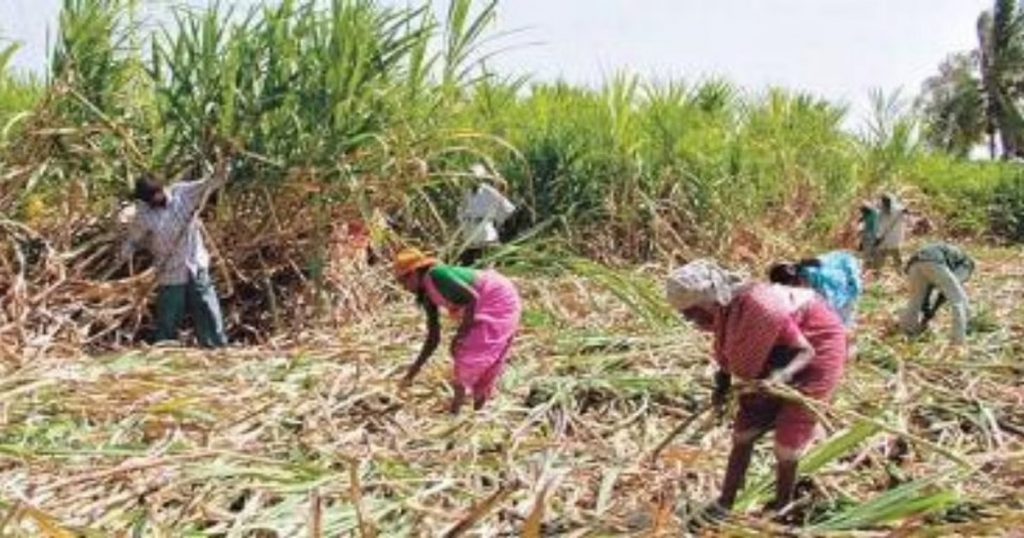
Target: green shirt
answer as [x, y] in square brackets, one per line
[452, 281]
[870, 231]
[945, 254]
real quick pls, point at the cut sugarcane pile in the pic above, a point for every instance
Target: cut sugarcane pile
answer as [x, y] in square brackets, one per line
[60, 294]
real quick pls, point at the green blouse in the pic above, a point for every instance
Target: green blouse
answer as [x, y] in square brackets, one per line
[451, 282]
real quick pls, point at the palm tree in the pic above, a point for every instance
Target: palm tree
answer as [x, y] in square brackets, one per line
[953, 106]
[1001, 55]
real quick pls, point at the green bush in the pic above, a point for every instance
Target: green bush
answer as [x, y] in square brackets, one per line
[375, 106]
[18, 94]
[960, 191]
[1007, 210]
[972, 197]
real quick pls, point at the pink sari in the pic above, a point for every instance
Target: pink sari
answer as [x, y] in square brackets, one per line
[762, 318]
[481, 356]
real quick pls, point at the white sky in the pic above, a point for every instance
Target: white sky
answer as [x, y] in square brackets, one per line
[839, 49]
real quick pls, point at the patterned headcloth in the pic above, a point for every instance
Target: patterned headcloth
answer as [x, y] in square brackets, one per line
[701, 281]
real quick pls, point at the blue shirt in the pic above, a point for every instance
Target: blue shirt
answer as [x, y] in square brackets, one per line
[838, 281]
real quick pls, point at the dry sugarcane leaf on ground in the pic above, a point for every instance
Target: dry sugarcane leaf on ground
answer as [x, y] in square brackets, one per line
[311, 432]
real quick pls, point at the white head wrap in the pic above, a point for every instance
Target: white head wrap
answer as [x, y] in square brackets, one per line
[701, 281]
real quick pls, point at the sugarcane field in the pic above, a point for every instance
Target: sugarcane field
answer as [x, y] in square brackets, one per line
[369, 268]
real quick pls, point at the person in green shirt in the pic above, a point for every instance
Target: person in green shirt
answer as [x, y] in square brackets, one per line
[892, 222]
[937, 274]
[868, 232]
[488, 308]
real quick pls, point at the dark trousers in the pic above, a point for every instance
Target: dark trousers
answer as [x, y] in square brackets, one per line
[200, 298]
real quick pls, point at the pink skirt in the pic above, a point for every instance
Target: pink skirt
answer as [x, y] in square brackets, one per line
[795, 424]
[480, 357]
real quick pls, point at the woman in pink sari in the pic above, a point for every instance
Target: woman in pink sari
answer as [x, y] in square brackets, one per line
[488, 307]
[766, 332]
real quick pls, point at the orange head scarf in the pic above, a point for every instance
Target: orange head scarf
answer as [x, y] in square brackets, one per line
[411, 259]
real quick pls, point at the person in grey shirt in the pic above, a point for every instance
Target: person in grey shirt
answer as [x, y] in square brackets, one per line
[166, 224]
[938, 270]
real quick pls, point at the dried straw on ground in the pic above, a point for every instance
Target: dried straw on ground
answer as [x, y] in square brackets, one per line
[310, 436]
[59, 296]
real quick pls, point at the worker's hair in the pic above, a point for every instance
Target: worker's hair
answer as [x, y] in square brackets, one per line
[866, 208]
[888, 201]
[783, 273]
[789, 274]
[146, 187]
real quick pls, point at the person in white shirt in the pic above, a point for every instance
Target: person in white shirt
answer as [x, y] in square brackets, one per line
[166, 224]
[483, 211]
[891, 232]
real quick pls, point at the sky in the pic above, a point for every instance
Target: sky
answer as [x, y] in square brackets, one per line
[839, 49]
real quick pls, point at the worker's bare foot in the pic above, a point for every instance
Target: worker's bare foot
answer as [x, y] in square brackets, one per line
[708, 516]
[783, 513]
